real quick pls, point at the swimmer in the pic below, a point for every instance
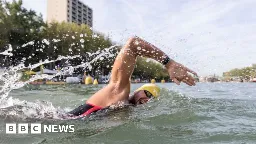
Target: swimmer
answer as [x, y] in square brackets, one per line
[118, 89]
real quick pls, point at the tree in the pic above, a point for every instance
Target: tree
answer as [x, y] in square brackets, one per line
[243, 73]
[18, 26]
[148, 69]
[34, 41]
[69, 39]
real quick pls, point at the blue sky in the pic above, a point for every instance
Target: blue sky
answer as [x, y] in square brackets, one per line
[208, 36]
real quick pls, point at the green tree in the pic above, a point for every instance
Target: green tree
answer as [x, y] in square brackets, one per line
[148, 69]
[34, 41]
[244, 73]
[18, 26]
[68, 39]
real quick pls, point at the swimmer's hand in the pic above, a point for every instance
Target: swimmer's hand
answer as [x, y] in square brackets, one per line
[179, 73]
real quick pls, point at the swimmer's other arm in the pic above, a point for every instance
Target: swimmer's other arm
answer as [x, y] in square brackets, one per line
[118, 88]
[177, 72]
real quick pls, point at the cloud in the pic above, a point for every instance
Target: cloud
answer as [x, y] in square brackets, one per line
[205, 36]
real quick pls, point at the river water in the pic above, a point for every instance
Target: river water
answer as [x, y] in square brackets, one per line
[205, 113]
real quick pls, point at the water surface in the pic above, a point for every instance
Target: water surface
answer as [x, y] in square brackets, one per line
[206, 113]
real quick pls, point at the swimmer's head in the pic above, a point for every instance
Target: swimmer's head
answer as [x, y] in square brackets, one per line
[144, 93]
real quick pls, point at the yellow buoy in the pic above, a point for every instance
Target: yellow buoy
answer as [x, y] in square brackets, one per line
[153, 81]
[84, 77]
[88, 80]
[95, 82]
[163, 81]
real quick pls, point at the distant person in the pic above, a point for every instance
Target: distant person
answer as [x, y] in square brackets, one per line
[118, 88]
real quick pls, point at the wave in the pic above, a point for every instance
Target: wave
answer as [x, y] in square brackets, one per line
[16, 110]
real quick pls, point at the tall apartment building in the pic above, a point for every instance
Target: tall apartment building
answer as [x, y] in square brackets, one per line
[69, 11]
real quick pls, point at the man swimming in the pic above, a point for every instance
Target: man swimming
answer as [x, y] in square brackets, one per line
[118, 88]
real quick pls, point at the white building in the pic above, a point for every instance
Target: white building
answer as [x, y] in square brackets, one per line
[69, 11]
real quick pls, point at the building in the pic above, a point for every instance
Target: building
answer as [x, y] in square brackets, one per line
[69, 11]
[211, 78]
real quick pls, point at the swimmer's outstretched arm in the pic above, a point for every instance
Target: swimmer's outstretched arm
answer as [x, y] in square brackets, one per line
[118, 88]
[135, 46]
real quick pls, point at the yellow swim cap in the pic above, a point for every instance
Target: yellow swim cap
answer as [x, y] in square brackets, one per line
[152, 88]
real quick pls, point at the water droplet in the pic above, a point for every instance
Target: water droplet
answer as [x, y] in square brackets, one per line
[46, 41]
[81, 40]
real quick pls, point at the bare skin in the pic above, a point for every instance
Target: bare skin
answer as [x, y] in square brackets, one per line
[118, 88]
[138, 98]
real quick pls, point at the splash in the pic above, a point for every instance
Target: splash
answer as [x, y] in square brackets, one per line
[11, 76]
[29, 43]
[23, 110]
[8, 51]
[10, 80]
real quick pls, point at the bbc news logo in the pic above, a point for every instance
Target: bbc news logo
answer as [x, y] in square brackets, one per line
[37, 128]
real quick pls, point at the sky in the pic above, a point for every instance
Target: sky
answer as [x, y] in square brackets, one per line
[208, 36]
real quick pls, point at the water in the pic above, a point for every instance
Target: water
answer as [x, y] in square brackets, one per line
[206, 113]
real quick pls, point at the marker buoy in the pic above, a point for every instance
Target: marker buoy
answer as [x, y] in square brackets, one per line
[153, 81]
[88, 80]
[95, 82]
